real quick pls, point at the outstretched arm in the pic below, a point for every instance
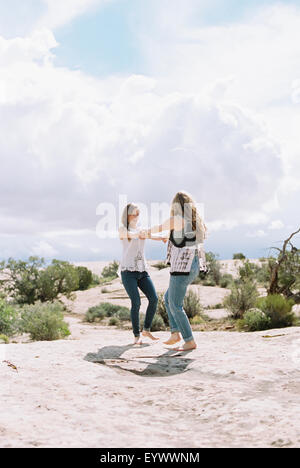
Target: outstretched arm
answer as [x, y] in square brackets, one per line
[175, 222]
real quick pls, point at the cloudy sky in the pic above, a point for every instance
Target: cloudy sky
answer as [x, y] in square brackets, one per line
[142, 98]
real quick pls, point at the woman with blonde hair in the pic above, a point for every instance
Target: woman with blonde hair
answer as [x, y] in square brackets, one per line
[134, 271]
[186, 257]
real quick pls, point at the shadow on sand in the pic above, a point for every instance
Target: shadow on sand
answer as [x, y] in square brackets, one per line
[164, 365]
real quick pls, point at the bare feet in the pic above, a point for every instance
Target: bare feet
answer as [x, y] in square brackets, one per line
[138, 340]
[187, 346]
[149, 335]
[174, 338]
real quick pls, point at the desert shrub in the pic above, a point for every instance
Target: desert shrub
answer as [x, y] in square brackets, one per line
[8, 319]
[60, 277]
[160, 265]
[4, 339]
[197, 320]
[238, 256]
[161, 309]
[114, 321]
[95, 313]
[263, 275]
[191, 304]
[110, 271]
[158, 323]
[247, 271]
[278, 309]
[95, 280]
[226, 280]
[254, 320]
[243, 297]
[212, 278]
[85, 277]
[106, 309]
[111, 309]
[44, 321]
[21, 282]
[124, 314]
[209, 282]
[31, 281]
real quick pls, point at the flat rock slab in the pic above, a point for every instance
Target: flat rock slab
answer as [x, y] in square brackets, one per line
[97, 390]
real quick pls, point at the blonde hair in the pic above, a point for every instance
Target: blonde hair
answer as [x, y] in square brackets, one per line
[128, 210]
[184, 205]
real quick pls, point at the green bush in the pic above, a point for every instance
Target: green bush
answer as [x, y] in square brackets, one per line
[44, 321]
[158, 323]
[95, 280]
[160, 265]
[209, 282]
[161, 309]
[191, 304]
[278, 309]
[213, 277]
[114, 321]
[60, 277]
[31, 281]
[243, 297]
[110, 271]
[254, 320]
[226, 280]
[85, 277]
[124, 314]
[4, 339]
[8, 319]
[95, 313]
[238, 256]
[197, 320]
[106, 309]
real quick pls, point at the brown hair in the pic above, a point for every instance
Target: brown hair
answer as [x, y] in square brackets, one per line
[184, 205]
[128, 210]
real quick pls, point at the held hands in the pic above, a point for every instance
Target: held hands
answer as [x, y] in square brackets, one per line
[146, 234]
[143, 234]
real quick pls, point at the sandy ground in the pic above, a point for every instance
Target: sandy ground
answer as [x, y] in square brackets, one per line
[96, 390]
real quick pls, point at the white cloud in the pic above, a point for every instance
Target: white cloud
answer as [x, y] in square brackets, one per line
[276, 224]
[296, 92]
[207, 124]
[258, 233]
[43, 249]
[82, 140]
[252, 60]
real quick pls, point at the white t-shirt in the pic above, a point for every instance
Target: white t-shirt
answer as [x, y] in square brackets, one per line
[133, 258]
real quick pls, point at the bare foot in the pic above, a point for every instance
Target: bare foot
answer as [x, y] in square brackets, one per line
[149, 335]
[187, 346]
[138, 340]
[174, 338]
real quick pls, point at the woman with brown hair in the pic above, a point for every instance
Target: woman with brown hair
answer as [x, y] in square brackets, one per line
[134, 271]
[186, 257]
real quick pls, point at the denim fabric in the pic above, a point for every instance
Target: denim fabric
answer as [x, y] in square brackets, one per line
[132, 280]
[174, 297]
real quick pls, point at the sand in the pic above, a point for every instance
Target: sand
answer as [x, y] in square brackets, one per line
[95, 389]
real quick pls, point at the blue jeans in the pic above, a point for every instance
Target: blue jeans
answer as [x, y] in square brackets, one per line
[132, 280]
[174, 297]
